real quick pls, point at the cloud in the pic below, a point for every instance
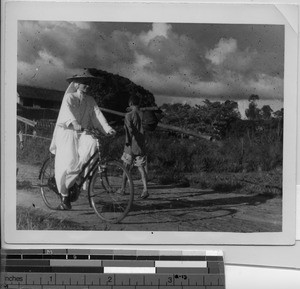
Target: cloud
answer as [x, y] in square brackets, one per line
[73, 45]
[81, 25]
[158, 29]
[156, 57]
[226, 56]
[244, 72]
[223, 49]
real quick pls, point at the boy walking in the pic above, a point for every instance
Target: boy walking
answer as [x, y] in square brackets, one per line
[134, 151]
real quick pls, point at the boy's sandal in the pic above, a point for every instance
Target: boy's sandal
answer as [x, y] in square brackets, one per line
[144, 195]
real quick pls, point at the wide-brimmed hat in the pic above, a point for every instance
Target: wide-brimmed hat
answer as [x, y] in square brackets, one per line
[85, 77]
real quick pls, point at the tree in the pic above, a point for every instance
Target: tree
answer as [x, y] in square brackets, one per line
[266, 112]
[279, 114]
[113, 91]
[219, 116]
[252, 112]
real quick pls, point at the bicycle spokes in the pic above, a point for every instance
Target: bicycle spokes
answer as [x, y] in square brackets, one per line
[52, 184]
[49, 190]
[104, 189]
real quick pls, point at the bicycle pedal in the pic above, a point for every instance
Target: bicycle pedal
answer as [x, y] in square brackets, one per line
[121, 192]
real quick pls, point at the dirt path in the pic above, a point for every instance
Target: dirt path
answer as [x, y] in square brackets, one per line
[168, 208]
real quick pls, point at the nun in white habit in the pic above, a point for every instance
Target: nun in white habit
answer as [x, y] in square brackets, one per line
[71, 146]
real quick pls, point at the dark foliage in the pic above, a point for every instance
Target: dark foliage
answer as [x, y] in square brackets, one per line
[113, 91]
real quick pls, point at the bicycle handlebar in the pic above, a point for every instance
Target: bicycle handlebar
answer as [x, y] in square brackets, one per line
[96, 133]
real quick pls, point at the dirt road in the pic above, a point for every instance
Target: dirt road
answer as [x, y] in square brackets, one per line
[168, 208]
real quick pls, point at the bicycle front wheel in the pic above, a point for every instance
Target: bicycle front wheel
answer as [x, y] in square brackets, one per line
[108, 201]
[49, 191]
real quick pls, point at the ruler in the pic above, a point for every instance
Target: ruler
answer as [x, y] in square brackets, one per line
[112, 269]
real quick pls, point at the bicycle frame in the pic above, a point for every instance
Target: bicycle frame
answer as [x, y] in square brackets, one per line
[105, 178]
[87, 164]
[96, 163]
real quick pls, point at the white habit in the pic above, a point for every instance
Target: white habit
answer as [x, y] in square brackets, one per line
[71, 148]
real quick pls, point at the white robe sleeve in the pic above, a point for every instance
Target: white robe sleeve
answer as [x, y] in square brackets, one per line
[67, 113]
[70, 115]
[98, 118]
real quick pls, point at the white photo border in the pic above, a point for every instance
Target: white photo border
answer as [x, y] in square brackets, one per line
[146, 12]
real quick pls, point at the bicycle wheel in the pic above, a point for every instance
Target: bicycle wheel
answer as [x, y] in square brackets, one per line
[49, 191]
[107, 201]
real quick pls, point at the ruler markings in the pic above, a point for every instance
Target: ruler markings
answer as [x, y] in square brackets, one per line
[101, 287]
[168, 287]
[53, 287]
[113, 287]
[79, 269]
[129, 279]
[147, 287]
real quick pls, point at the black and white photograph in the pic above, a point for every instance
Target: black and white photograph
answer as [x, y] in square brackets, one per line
[215, 164]
[152, 126]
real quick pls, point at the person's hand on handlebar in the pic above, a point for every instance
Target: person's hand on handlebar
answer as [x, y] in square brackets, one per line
[111, 132]
[76, 125]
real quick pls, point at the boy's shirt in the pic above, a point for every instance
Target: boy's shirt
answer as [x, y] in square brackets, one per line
[135, 139]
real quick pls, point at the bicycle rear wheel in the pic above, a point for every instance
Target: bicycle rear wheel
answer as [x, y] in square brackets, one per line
[49, 191]
[104, 192]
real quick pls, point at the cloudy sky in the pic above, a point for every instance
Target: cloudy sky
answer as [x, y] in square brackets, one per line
[213, 61]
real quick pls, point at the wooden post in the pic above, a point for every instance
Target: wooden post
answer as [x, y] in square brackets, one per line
[25, 132]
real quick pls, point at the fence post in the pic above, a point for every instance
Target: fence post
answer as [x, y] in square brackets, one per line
[26, 128]
[21, 139]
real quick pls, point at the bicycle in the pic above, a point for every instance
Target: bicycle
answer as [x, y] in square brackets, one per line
[104, 177]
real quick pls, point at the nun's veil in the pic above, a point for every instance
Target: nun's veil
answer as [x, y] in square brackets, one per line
[71, 88]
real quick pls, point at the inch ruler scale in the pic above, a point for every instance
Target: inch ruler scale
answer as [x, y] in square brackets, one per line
[112, 269]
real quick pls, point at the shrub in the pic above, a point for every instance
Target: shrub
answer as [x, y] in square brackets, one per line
[35, 150]
[170, 158]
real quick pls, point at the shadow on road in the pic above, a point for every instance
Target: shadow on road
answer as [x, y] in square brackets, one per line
[190, 201]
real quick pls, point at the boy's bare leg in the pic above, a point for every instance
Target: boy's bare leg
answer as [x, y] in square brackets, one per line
[124, 178]
[143, 173]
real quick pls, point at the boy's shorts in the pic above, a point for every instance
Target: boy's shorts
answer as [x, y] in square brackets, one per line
[138, 161]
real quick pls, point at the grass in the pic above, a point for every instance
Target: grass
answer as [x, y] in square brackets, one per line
[34, 152]
[234, 164]
[264, 183]
[23, 185]
[34, 219]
